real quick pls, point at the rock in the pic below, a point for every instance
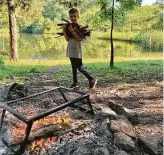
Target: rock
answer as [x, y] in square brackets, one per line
[117, 108]
[160, 146]
[106, 111]
[101, 151]
[3, 148]
[127, 128]
[103, 130]
[122, 125]
[115, 126]
[120, 152]
[132, 116]
[149, 144]
[109, 111]
[123, 141]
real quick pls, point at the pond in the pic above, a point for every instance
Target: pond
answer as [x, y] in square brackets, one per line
[46, 47]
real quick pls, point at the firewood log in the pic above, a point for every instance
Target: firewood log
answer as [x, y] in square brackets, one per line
[82, 31]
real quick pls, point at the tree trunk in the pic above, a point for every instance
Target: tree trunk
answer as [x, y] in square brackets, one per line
[13, 31]
[111, 38]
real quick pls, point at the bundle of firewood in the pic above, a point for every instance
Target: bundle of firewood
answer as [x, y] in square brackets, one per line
[82, 31]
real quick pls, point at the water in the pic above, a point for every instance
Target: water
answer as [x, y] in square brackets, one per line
[31, 47]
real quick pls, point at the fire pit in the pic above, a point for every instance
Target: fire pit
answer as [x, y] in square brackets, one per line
[34, 108]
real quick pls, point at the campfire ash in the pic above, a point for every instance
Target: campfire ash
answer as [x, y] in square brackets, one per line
[42, 115]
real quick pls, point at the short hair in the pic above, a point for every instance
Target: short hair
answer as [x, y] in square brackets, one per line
[74, 10]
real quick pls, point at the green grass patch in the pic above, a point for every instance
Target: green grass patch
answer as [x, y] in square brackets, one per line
[18, 73]
[123, 72]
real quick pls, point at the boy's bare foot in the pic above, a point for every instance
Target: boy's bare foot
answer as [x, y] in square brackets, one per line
[92, 83]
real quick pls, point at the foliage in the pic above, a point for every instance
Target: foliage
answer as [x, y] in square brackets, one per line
[70, 3]
[150, 40]
[26, 17]
[53, 11]
[43, 15]
[3, 17]
[36, 27]
[2, 63]
[120, 10]
[144, 18]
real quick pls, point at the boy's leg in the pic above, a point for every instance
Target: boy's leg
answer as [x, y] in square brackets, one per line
[83, 70]
[92, 81]
[74, 70]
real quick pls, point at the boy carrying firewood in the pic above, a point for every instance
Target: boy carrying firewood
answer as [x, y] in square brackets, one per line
[74, 51]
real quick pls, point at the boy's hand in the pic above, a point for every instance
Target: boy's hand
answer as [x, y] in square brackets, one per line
[72, 30]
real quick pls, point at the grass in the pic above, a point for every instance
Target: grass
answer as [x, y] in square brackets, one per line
[124, 71]
[10, 73]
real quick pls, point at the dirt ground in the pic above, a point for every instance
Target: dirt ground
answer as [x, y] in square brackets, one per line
[146, 99]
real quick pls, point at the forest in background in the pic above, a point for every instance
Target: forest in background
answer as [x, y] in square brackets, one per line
[43, 15]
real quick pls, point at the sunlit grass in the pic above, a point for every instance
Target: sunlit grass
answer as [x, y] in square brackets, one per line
[123, 72]
[67, 61]
[17, 73]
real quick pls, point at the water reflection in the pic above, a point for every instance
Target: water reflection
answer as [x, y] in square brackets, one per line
[48, 47]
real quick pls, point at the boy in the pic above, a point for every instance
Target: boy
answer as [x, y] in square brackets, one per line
[74, 51]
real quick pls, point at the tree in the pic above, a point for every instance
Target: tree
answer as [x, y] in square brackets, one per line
[12, 5]
[70, 3]
[107, 10]
[52, 10]
[145, 18]
[159, 2]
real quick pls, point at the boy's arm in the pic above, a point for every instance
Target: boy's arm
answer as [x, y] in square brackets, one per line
[77, 37]
[65, 35]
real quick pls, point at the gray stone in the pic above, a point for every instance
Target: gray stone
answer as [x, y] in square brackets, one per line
[120, 152]
[117, 108]
[131, 115]
[160, 146]
[123, 141]
[149, 144]
[108, 111]
[3, 148]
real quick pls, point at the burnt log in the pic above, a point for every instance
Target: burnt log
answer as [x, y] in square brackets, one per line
[16, 91]
[53, 130]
